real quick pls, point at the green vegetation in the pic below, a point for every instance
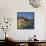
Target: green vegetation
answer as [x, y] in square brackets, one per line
[24, 22]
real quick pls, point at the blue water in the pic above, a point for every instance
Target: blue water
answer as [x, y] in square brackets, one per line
[29, 27]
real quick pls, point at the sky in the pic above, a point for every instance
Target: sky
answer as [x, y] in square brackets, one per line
[28, 15]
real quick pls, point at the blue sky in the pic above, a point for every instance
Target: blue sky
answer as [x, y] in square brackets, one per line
[28, 15]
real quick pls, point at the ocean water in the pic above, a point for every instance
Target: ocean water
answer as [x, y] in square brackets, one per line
[29, 27]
